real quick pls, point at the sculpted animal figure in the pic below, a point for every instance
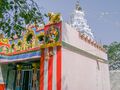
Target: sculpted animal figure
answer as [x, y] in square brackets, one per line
[54, 17]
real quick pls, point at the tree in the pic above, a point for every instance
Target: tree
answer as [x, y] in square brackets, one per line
[113, 51]
[16, 14]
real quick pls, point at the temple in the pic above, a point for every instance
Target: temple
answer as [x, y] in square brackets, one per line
[55, 56]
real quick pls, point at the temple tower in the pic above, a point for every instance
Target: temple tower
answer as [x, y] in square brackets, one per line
[79, 22]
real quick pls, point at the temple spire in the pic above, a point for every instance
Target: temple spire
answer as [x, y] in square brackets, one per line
[78, 6]
[79, 22]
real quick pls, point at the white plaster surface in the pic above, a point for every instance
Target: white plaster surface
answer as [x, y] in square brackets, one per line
[3, 76]
[71, 36]
[78, 71]
[83, 73]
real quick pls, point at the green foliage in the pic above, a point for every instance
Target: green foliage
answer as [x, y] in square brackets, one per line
[113, 51]
[16, 14]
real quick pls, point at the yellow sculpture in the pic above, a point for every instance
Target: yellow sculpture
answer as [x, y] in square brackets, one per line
[19, 67]
[29, 39]
[4, 40]
[19, 45]
[34, 65]
[54, 17]
[13, 47]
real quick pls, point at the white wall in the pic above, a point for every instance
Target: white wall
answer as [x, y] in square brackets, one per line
[3, 73]
[71, 36]
[3, 76]
[82, 73]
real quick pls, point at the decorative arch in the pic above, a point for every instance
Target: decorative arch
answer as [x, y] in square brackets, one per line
[41, 37]
[29, 39]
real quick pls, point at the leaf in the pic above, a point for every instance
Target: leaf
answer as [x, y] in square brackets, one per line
[1, 15]
[34, 9]
[39, 13]
[7, 6]
[22, 2]
[16, 7]
[11, 2]
[113, 51]
[20, 13]
[11, 7]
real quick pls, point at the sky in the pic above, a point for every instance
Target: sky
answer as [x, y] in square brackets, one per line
[103, 16]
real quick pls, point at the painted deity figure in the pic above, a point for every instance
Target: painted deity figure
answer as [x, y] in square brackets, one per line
[18, 78]
[34, 78]
[52, 34]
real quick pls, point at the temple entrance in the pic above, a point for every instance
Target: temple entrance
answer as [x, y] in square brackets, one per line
[27, 80]
[24, 76]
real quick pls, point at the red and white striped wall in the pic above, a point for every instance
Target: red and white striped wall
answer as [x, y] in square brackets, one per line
[50, 70]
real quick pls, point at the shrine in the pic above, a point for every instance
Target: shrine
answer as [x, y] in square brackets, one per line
[25, 56]
[54, 56]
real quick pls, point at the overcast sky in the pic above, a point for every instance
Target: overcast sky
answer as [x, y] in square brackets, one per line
[103, 16]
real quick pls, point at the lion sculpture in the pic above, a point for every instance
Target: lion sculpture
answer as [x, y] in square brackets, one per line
[54, 17]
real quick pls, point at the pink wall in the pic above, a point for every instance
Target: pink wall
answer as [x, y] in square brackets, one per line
[71, 36]
[82, 73]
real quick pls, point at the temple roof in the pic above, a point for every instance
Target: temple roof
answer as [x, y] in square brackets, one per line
[20, 57]
[30, 44]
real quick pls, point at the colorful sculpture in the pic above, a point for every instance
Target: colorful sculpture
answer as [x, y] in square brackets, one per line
[34, 38]
[54, 17]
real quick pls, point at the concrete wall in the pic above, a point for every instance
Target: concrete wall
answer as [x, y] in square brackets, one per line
[71, 36]
[115, 79]
[82, 73]
[11, 79]
[3, 73]
[3, 76]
